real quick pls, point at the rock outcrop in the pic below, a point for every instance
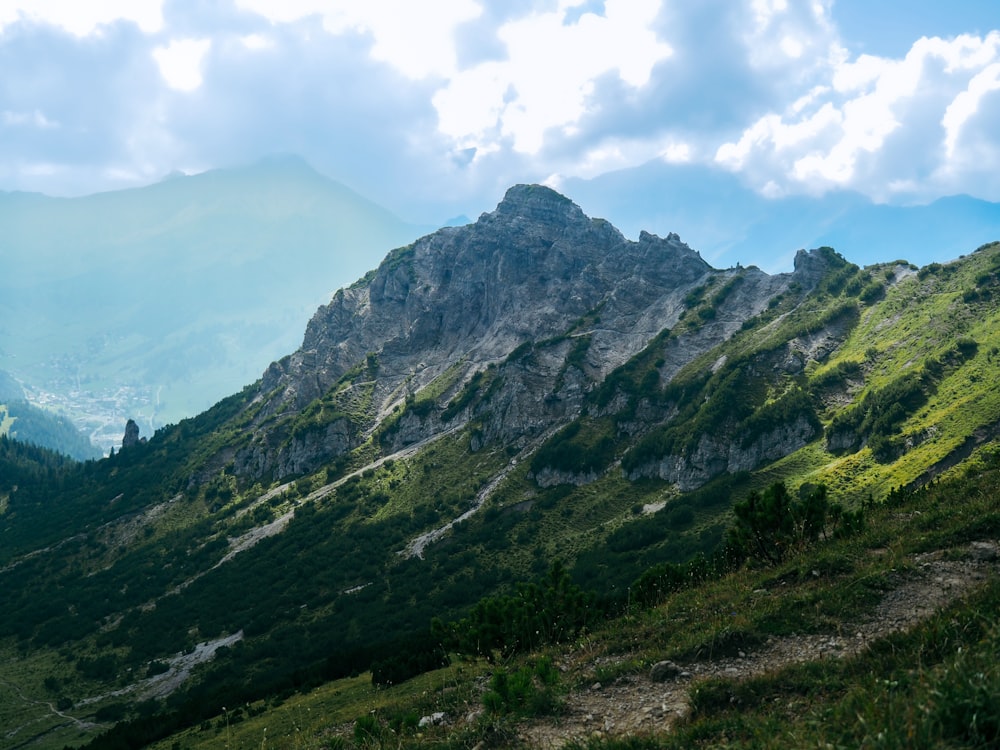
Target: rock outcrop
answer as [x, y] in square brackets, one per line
[522, 273]
[715, 455]
[131, 437]
[535, 297]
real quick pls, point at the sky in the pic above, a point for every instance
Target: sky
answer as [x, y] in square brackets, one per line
[434, 108]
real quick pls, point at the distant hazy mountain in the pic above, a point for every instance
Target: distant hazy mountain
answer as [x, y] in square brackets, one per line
[730, 224]
[155, 302]
[29, 424]
[10, 389]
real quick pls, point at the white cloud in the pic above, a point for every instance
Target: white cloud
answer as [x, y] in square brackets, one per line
[772, 190]
[411, 101]
[804, 101]
[792, 47]
[416, 42]
[676, 153]
[765, 11]
[860, 74]
[470, 107]
[612, 154]
[965, 105]
[772, 132]
[545, 82]
[792, 38]
[82, 18]
[180, 62]
[548, 78]
[257, 42]
[841, 133]
[36, 119]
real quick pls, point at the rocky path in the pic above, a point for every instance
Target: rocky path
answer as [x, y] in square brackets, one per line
[249, 538]
[416, 546]
[20, 736]
[640, 704]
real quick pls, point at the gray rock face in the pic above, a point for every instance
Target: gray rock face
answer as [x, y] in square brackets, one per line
[471, 295]
[714, 456]
[524, 272]
[297, 455]
[554, 301]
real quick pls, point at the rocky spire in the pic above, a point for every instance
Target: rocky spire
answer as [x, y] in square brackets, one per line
[131, 434]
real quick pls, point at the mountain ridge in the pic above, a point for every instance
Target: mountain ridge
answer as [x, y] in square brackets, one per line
[460, 293]
[528, 388]
[730, 222]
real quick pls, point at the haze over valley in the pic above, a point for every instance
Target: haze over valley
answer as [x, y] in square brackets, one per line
[154, 303]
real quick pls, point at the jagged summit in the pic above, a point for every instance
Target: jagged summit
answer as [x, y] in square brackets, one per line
[538, 203]
[463, 298]
[525, 270]
[810, 265]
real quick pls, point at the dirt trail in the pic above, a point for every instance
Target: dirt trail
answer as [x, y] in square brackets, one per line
[19, 733]
[416, 546]
[251, 537]
[635, 705]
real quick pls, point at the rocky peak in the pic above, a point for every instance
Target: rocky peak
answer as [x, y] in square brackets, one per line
[810, 266]
[536, 269]
[131, 437]
[536, 203]
[522, 272]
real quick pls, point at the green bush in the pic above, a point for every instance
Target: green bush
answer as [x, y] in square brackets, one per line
[577, 448]
[535, 615]
[526, 692]
[770, 525]
[882, 411]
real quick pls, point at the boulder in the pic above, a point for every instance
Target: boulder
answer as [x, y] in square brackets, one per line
[432, 720]
[663, 671]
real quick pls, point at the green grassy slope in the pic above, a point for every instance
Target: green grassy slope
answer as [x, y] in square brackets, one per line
[933, 684]
[891, 370]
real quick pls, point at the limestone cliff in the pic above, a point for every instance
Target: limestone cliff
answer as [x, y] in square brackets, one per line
[509, 324]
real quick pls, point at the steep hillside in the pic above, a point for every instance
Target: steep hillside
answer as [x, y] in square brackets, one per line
[29, 424]
[530, 388]
[883, 637]
[156, 302]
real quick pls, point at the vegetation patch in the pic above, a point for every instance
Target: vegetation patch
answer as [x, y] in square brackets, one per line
[583, 447]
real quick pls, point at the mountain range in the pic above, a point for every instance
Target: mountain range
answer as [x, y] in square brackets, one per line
[155, 302]
[731, 223]
[528, 389]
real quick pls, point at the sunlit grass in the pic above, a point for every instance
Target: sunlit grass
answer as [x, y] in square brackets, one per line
[312, 719]
[6, 420]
